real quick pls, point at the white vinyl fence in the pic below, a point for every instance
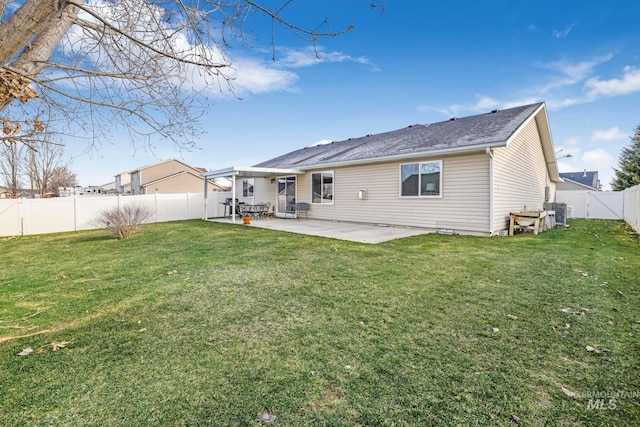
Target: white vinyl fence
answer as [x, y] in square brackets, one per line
[39, 216]
[632, 207]
[593, 204]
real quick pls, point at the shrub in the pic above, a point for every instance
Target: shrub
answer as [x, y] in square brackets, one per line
[124, 221]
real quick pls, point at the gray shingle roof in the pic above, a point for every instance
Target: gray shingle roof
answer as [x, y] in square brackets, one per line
[481, 130]
[589, 178]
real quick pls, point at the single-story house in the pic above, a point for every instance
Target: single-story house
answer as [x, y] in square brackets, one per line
[575, 181]
[464, 175]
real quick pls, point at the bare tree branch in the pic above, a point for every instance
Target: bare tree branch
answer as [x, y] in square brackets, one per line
[131, 61]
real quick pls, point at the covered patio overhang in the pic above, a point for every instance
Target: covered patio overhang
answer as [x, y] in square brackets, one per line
[234, 172]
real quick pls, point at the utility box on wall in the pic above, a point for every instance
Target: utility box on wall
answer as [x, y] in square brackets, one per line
[362, 194]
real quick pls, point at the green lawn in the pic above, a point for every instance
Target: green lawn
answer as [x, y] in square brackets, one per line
[198, 323]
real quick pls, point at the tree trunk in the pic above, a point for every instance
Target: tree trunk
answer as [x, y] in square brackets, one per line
[32, 61]
[26, 22]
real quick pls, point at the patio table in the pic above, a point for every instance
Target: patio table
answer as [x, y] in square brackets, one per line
[254, 211]
[228, 205]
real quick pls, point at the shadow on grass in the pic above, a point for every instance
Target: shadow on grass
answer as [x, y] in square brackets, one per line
[97, 236]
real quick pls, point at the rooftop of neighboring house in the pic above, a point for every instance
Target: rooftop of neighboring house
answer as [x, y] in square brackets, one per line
[588, 178]
[162, 163]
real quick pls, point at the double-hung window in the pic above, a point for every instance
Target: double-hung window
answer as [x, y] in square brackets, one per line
[423, 179]
[322, 187]
[247, 187]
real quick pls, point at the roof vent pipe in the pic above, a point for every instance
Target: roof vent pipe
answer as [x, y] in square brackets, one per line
[584, 175]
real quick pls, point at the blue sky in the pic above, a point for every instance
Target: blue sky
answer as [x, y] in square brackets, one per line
[418, 62]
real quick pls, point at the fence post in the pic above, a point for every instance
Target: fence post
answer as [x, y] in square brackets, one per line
[21, 214]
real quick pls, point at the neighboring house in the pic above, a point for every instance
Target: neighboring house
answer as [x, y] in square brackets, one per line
[463, 175]
[585, 180]
[5, 193]
[91, 190]
[171, 176]
[123, 183]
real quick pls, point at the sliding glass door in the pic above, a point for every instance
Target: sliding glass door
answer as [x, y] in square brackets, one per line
[285, 207]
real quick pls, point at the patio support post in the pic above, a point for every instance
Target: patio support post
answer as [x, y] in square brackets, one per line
[206, 215]
[233, 198]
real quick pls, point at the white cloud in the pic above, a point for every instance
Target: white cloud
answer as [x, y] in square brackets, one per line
[572, 142]
[449, 112]
[629, 83]
[254, 76]
[601, 161]
[598, 159]
[611, 134]
[560, 34]
[296, 58]
[553, 88]
[566, 167]
[571, 73]
[238, 75]
[577, 71]
[486, 103]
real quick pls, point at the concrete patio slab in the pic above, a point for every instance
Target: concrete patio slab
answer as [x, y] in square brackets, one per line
[355, 232]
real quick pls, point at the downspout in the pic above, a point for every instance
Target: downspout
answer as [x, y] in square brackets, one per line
[490, 154]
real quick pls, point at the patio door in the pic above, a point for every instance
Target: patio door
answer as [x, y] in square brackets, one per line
[285, 208]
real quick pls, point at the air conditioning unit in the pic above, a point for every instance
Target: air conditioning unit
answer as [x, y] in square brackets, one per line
[561, 212]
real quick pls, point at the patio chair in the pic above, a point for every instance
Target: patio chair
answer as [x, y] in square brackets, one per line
[266, 210]
[302, 208]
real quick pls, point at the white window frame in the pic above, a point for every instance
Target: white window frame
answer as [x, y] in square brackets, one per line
[333, 187]
[421, 196]
[249, 181]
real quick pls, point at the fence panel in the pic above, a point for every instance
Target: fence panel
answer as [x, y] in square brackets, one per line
[576, 201]
[48, 215]
[632, 207]
[10, 217]
[605, 205]
[88, 209]
[592, 204]
[40, 216]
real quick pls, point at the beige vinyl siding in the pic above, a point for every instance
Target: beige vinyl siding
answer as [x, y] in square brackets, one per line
[463, 207]
[572, 186]
[161, 170]
[520, 175]
[263, 191]
[183, 183]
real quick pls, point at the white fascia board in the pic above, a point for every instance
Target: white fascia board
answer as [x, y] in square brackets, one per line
[546, 139]
[250, 171]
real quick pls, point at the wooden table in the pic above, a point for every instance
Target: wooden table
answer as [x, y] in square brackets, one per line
[524, 219]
